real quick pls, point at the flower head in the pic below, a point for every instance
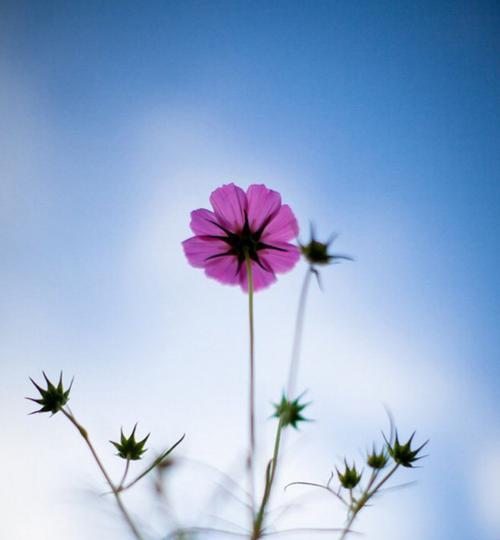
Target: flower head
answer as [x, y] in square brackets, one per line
[290, 411]
[317, 253]
[53, 398]
[377, 460]
[350, 478]
[252, 225]
[403, 454]
[128, 447]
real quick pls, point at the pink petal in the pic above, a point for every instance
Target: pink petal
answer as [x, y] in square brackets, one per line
[283, 227]
[204, 222]
[223, 269]
[261, 278]
[280, 261]
[263, 204]
[229, 203]
[199, 249]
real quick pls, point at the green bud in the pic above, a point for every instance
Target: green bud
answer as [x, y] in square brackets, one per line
[403, 454]
[316, 253]
[53, 398]
[350, 478]
[289, 412]
[128, 447]
[377, 460]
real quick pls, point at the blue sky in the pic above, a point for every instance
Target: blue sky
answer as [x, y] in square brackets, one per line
[379, 120]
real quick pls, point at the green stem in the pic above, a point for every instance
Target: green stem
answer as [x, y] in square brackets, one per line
[270, 475]
[292, 376]
[383, 481]
[299, 325]
[373, 477]
[114, 489]
[124, 477]
[251, 447]
[365, 497]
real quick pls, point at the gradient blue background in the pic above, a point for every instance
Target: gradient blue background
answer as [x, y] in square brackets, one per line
[376, 119]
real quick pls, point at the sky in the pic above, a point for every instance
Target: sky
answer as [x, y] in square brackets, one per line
[376, 120]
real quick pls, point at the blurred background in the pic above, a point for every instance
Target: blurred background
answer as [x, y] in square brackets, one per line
[377, 120]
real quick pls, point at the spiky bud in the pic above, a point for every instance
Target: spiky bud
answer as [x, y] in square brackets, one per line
[53, 398]
[350, 478]
[403, 454]
[377, 460]
[290, 412]
[128, 448]
[316, 253]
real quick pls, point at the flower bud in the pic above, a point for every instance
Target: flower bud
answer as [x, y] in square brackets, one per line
[53, 398]
[377, 460]
[289, 412]
[350, 478]
[316, 253]
[403, 454]
[128, 448]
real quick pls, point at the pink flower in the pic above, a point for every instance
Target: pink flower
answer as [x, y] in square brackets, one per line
[254, 222]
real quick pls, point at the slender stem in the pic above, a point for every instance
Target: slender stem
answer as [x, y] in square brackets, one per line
[365, 497]
[114, 489]
[292, 376]
[270, 475]
[383, 481]
[326, 488]
[299, 324]
[348, 525]
[251, 426]
[373, 477]
[125, 472]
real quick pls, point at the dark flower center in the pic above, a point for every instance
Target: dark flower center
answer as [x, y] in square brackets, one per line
[244, 243]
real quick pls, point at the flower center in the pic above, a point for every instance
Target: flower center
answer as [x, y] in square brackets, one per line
[243, 244]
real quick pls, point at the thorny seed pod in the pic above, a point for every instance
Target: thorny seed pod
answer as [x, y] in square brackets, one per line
[53, 398]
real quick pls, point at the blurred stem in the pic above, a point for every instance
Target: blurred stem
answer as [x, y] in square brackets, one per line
[114, 489]
[367, 494]
[270, 475]
[251, 447]
[299, 325]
